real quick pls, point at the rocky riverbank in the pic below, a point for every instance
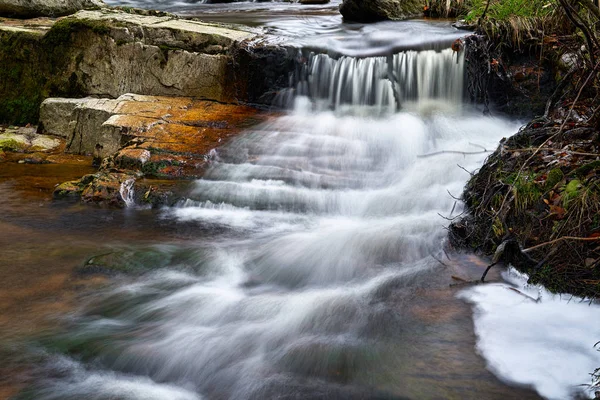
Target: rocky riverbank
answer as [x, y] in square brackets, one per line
[196, 84]
[534, 203]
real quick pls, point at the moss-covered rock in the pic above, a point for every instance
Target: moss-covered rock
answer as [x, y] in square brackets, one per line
[126, 262]
[10, 144]
[68, 190]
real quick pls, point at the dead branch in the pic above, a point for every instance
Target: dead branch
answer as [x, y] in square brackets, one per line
[464, 153]
[551, 242]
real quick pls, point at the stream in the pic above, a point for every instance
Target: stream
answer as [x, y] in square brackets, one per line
[308, 262]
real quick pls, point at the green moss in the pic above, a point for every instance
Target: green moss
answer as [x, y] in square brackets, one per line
[573, 187]
[525, 189]
[554, 176]
[20, 77]
[33, 66]
[587, 168]
[61, 32]
[153, 169]
[11, 145]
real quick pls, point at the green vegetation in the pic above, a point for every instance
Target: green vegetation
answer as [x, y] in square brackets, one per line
[61, 32]
[505, 10]
[20, 77]
[10, 145]
[36, 66]
[549, 202]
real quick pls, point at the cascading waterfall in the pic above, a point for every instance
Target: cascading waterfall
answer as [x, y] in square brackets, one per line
[325, 225]
[386, 83]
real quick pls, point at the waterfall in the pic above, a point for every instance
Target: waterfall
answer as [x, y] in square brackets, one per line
[127, 192]
[386, 83]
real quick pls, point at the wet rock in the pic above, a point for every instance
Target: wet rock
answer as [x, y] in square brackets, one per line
[377, 10]
[45, 8]
[314, 1]
[106, 189]
[59, 116]
[36, 158]
[464, 25]
[126, 262]
[66, 190]
[162, 136]
[132, 158]
[26, 140]
[13, 143]
[143, 136]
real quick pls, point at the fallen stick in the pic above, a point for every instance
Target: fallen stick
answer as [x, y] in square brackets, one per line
[559, 240]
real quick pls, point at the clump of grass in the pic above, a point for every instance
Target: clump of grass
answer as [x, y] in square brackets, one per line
[549, 203]
[516, 22]
[510, 10]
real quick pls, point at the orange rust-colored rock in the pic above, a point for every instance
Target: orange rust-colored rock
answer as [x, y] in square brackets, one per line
[146, 136]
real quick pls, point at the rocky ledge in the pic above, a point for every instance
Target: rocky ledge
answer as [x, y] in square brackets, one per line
[108, 53]
[137, 140]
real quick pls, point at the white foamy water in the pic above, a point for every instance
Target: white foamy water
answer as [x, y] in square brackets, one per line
[322, 223]
[547, 343]
[127, 191]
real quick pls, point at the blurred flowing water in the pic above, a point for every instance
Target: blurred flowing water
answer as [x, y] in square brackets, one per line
[308, 269]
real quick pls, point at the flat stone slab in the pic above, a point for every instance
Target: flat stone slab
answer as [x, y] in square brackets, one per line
[169, 22]
[32, 26]
[49, 8]
[136, 129]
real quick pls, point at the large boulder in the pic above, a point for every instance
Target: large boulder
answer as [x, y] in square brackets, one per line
[45, 8]
[377, 10]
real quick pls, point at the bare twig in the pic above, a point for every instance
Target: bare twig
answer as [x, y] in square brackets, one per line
[464, 169]
[438, 260]
[577, 153]
[486, 271]
[551, 242]
[464, 153]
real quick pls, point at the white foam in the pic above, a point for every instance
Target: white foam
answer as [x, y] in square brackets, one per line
[110, 385]
[547, 344]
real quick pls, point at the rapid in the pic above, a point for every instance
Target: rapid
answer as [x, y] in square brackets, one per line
[313, 265]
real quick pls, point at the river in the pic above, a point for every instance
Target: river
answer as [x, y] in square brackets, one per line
[308, 262]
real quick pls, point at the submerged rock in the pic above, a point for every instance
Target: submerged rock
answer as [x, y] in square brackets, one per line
[45, 8]
[126, 262]
[377, 10]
